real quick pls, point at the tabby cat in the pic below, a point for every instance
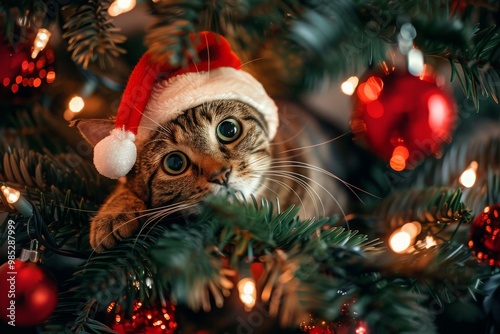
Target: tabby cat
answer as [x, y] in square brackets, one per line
[218, 145]
[183, 133]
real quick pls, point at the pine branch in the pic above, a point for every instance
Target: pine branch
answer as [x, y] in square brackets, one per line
[26, 11]
[480, 145]
[431, 207]
[90, 34]
[116, 277]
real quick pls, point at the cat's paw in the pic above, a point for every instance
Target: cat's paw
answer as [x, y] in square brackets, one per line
[107, 229]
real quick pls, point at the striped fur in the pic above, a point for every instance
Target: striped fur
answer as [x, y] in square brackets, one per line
[287, 169]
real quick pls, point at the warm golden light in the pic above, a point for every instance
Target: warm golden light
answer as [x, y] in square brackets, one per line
[121, 6]
[413, 229]
[400, 241]
[12, 195]
[51, 76]
[468, 177]
[16, 201]
[397, 163]
[76, 104]
[430, 242]
[348, 87]
[41, 40]
[247, 292]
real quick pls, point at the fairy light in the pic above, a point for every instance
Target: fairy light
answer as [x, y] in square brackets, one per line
[16, 201]
[361, 329]
[11, 195]
[121, 6]
[76, 104]
[41, 40]
[348, 87]
[400, 241]
[247, 292]
[402, 238]
[430, 242]
[415, 62]
[468, 177]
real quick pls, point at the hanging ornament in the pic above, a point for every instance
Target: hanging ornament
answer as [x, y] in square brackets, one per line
[23, 78]
[28, 290]
[402, 117]
[484, 237]
[146, 320]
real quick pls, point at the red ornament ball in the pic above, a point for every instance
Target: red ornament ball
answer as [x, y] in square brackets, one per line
[147, 320]
[484, 237]
[28, 293]
[402, 118]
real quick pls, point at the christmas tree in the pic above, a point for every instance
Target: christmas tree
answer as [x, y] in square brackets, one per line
[416, 253]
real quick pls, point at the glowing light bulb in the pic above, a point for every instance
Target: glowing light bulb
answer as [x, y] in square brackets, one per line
[247, 292]
[121, 6]
[413, 228]
[415, 62]
[41, 40]
[468, 177]
[11, 195]
[348, 87]
[76, 104]
[16, 201]
[430, 242]
[400, 241]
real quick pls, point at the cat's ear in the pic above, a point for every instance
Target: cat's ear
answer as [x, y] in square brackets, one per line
[94, 130]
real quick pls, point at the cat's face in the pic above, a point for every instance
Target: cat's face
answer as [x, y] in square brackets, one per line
[218, 145]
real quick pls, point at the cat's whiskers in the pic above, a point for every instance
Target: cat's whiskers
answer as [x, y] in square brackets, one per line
[284, 185]
[300, 164]
[163, 213]
[155, 212]
[144, 115]
[317, 144]
[302, 181]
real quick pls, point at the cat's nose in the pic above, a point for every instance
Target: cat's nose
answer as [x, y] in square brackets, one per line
[221, 177]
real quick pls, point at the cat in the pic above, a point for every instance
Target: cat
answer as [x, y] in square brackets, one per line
[219, 145]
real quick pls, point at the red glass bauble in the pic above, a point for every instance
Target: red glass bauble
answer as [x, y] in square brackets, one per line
[28, 293]
[484, 237]
[402, 118]
[147, 320]
[22, 78]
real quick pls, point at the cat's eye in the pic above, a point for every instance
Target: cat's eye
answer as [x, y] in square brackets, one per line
[228, 130]
[175, 163]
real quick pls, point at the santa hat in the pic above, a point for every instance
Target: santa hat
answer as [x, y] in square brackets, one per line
[158, 92]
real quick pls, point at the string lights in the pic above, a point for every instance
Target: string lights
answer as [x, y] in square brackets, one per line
[468, 177]
[415, 57]
[121, 6]
[16, 201]
[247, 292]
[76, 104]
[41, 40]
[402, 238]
[348, 87]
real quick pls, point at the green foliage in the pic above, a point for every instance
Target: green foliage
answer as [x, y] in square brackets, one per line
[90, 34]
[309, 266]
[429, 206]
[303, 42]
[481, 145]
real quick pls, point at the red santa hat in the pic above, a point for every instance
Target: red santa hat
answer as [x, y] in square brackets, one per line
[157, 92]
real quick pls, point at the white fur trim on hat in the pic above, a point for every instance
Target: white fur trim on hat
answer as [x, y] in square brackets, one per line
[115, 155]
[172, 97]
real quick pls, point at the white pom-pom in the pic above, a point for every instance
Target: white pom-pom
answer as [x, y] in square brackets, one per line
[115, 155]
